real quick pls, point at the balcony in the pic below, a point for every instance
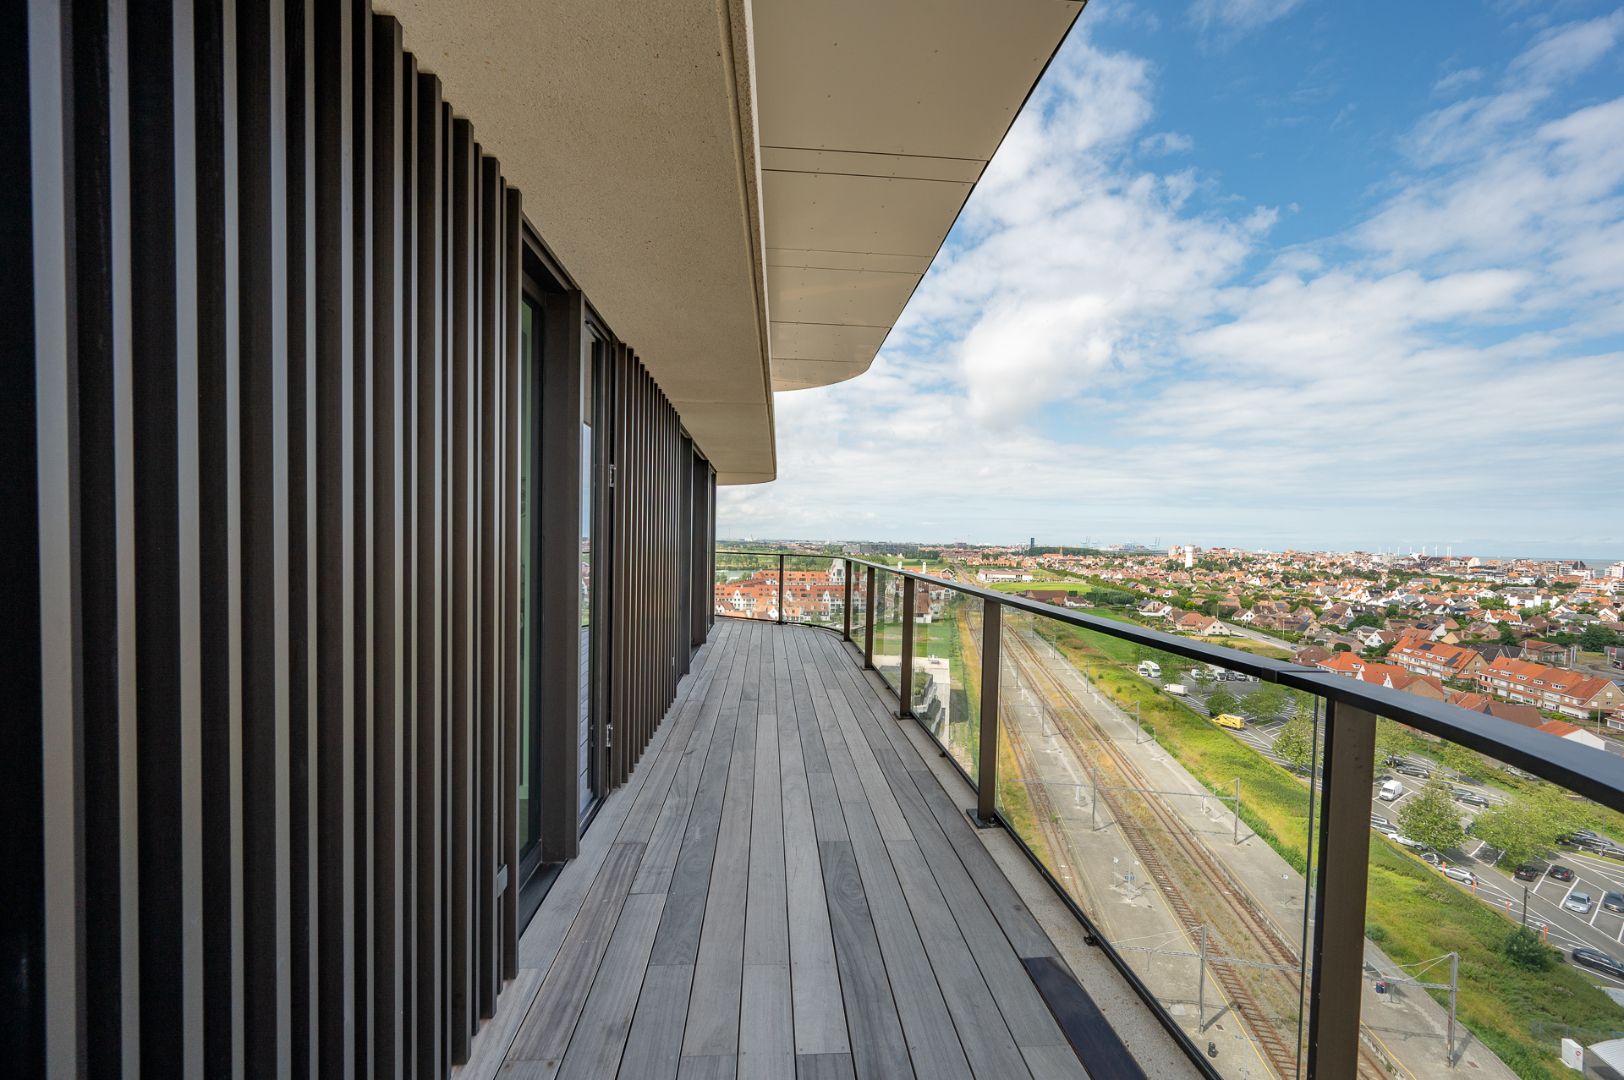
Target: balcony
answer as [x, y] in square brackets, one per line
[788, 885]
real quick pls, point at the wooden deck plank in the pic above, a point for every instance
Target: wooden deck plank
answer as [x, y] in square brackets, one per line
[766, 912]
[654, 1047]
[606, 1020]
[677, 941]
[547, 1028]
[665, 839]
[877, 1043]
[766, 1024]
[539, 943]
[713, 1009]
[1027, 1017]
[824, 1067]
[820, 1016]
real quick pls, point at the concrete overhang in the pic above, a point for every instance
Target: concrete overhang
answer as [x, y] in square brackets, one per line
[748, 191]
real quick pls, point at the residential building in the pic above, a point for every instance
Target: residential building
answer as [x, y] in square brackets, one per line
[1550, 688]
[1426, 657]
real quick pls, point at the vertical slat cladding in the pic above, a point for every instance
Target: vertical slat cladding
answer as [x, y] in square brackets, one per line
[388, 405]
[463, 671]
[429, 564]
[335, 527]
[360, 136]
[273, 453]
[298, 38]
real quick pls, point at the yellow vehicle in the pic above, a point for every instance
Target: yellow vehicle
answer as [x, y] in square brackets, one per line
[1231, 721]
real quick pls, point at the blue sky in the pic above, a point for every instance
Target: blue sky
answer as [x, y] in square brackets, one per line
[1264, 273]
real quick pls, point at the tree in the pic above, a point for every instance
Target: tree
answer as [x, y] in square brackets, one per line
[1369, 618]
[1342, 646]
[1597, 638]
[1266, 702]
[1508, 636]
[1221, 701]
[1431, 818]
[1295, 742]
[1519, 829]
[1390, 739]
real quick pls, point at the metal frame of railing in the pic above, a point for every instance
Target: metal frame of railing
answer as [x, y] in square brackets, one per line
[1341, 847]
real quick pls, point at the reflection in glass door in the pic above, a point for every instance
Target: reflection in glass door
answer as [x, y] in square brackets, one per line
[587, 735]
[529, 593]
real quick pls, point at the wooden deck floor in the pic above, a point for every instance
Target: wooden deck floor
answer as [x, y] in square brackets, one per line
[783, 889]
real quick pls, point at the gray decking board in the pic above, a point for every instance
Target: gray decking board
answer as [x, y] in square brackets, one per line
[824, 1067]
[782, 890]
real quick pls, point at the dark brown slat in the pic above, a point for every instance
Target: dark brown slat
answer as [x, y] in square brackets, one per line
[412, 726]
[388, 682]
[362, 597]
[163, 322]
[486, 970]
[46, 776]
[220, 555]
[429, 556]
[106, 562]
[513, 280]
[334, 560]
[299, 44]
[462, 646]
[264, 421]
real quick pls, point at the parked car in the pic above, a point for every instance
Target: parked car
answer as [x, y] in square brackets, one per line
[1613, 901]
[1432, 858]
[1560, 873]
[1379, 822]
[1456, 873]
[1527, 872]
[1417, 771]
[1595, 958]
[1404, 841]
[1579, 902]
[1469, 797]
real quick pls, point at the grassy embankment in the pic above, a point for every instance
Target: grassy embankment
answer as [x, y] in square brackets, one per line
[1413, 913]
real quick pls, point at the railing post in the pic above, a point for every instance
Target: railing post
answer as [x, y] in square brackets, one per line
[780, 586]
[905, 680]
[868, 621]
[987, 766]
[845, 602]
[1339, 901]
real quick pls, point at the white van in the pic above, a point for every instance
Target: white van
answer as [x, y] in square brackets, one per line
[1150, 669]
[1176, 689]
[1391, 790]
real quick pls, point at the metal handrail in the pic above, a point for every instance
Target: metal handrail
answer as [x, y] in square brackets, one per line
[1597, 776]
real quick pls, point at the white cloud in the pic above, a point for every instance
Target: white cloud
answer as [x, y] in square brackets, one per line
[1239, 15]
[1166, 142]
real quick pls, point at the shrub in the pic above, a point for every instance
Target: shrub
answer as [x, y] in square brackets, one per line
[1524, 948]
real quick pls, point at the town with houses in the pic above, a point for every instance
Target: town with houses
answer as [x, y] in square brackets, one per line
[1537, 642]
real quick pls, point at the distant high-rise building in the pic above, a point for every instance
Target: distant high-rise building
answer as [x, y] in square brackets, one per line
[1032, 544]
[1189, 556]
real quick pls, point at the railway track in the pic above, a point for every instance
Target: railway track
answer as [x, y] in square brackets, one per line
[1197, 887]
